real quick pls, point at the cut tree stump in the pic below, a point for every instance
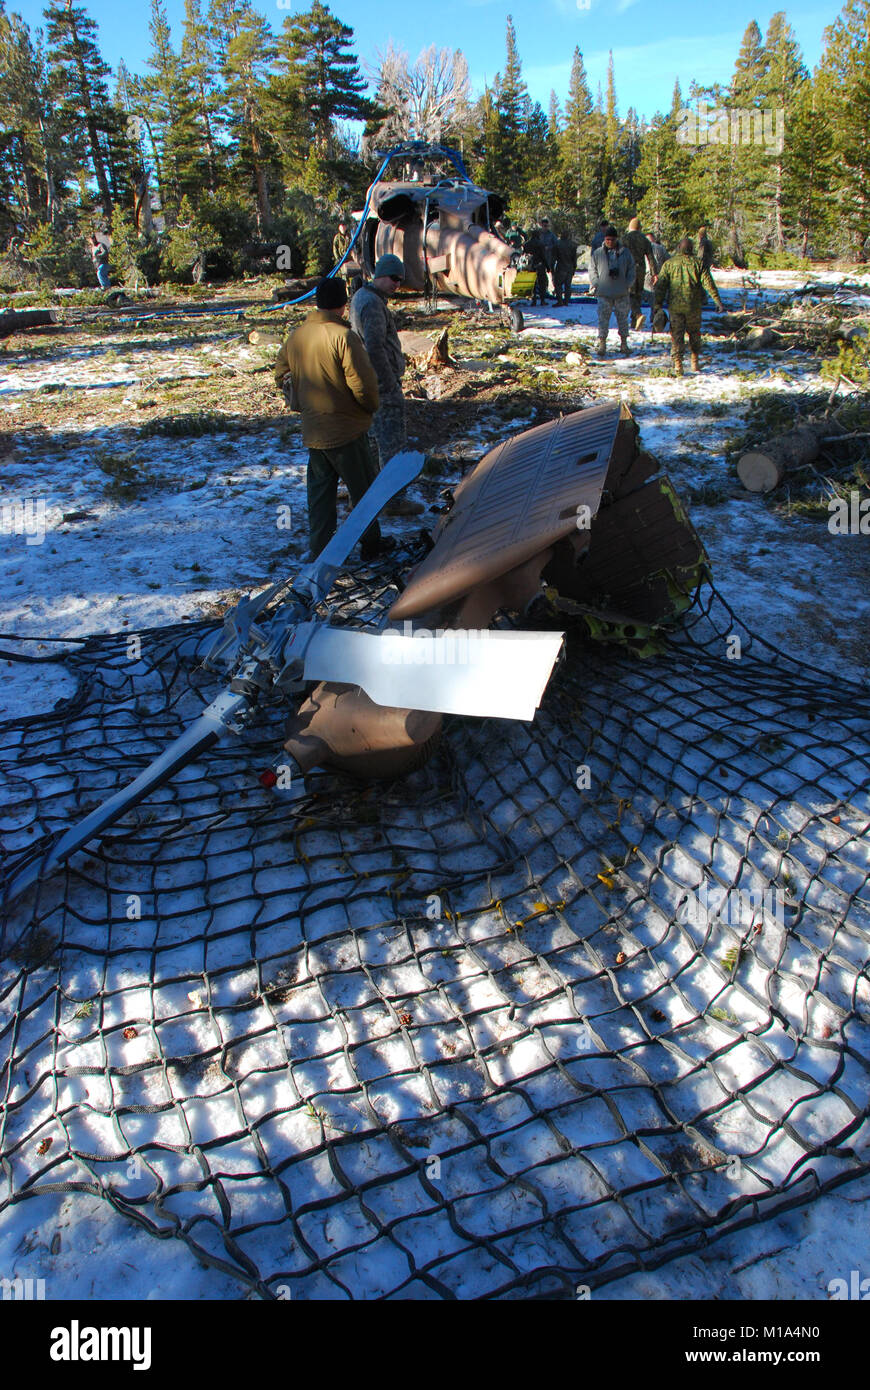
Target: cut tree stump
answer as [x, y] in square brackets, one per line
[260, 337]
[762, 469]
[423, 351]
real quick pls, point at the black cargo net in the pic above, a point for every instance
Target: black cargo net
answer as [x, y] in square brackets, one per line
[572, 999]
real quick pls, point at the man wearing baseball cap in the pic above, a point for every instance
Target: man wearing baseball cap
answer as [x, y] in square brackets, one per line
[370, 317]
[326, 375]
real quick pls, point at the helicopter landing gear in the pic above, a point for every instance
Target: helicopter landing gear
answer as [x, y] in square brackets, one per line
[513, 318]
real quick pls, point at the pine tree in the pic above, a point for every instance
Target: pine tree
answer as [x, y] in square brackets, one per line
[32, 165]
[243, 44]
[554, 124]
[172, 114]
[78, 87]
[749, 70]
[505, 160]
[200, 74]
[611, 115]
[784, 75]
[317, 50]
[579, 138]
[627, 161]
[750, 162]
[845, 89]
[664, 170]
[540, 155]
[809, 173]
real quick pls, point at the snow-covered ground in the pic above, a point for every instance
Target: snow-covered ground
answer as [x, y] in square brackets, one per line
[211, 518]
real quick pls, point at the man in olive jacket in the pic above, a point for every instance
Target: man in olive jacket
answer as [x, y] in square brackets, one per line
[326, 374]
[682, 282]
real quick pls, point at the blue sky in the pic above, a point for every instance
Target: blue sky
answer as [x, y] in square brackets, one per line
[653, 41]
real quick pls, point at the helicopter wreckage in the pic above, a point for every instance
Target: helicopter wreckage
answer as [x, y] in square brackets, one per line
[569, 522]
[441, 228]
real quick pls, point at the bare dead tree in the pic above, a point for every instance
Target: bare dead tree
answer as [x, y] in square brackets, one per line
[428, 99]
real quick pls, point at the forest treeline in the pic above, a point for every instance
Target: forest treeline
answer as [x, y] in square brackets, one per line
[236, 138]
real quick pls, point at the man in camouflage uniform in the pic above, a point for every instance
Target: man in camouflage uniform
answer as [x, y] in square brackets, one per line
[340, 243]
[563, 270]
[705, 249]
[611, 276]
[548, 246]
[682, 282]
[371, 319]
[641, 248]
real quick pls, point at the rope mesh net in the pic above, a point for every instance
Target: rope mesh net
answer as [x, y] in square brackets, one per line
[572, 999]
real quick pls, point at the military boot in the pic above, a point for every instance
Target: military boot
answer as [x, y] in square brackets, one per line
[602, 347]
[678, 366]
[626, 350]
[695, 367]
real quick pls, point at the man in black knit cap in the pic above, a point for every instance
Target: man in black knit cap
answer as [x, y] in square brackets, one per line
[327, 375]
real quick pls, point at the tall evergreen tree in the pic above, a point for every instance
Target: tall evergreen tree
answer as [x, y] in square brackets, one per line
[554, 123]
[243, 44]
[845, 87]
[31, 154]
[78, 87]
[169, 98]
[581, 189]
[809, 174]
[611, 114]
[749, 70]
[505, 155]
[664, 170]
[317, 49]
[784, 76]
[750, 161]
[199, 70]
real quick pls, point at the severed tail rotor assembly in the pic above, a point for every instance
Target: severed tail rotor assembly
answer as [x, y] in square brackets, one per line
[520, 529]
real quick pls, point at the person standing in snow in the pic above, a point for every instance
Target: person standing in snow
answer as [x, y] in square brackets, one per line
[641, 248]
[371, 319]
[564, 268]
[611, 278]
[705, 249]
[682, 282]
[537, 262]
[598, 239]
[327, 375]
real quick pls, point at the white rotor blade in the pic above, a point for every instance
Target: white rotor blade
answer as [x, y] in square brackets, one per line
[498, 675]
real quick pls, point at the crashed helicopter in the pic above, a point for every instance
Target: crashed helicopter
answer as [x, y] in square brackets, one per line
[441, 228]
[570, 519]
